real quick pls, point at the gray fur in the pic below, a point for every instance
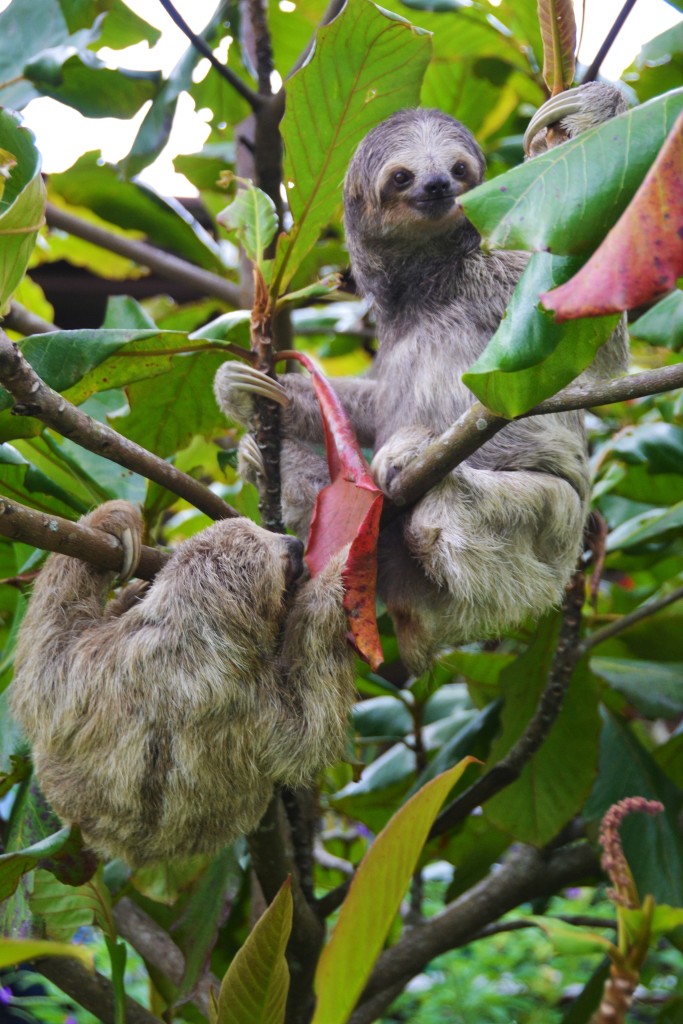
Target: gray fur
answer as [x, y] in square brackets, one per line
[161, 722]
[497, 540]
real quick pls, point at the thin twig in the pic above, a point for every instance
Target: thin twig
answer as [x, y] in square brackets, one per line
[53, 533]
[252, 98]
[644, 612]
[171, 267]
[592, 72]
[509, 768]
[34, 398]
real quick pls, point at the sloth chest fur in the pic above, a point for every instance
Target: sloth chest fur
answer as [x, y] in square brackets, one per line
[425, 367]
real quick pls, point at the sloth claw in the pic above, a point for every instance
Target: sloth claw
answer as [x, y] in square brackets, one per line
[251, 458]
[131, 545]
[553, 110]
[247, 378]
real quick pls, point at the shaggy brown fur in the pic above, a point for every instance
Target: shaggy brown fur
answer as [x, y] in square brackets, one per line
[161, 721]
[497, 540]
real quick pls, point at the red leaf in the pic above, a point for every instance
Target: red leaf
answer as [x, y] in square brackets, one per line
[642, 256]
[348, 510]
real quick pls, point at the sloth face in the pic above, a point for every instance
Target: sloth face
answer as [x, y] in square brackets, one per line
[408, 172]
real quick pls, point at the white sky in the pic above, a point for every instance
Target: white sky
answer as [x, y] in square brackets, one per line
[62, 133]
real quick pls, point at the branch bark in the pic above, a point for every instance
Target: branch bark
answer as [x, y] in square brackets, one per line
[52, 533]
[507, 770]
[526, 874]
[644, 612]
[479, 424]
[34, 398]
[171, 267]
[90, 989]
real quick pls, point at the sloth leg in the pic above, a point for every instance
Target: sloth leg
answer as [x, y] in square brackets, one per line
[496, 546]
[302, 473]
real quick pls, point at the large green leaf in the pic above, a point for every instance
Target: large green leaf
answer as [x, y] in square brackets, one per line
[102, 189]
[165, 413]
[379, 883]
[531, 357]
[566, 200]
[65, 908]
[348, 86]
[659, 446]
[653, 846]
[81, 80]
[30, 486]
[557, 779]
[655, 525]
[22, 204]
[254, 990]
[659, 65]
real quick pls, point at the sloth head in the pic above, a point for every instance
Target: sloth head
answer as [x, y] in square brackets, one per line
[406, 176]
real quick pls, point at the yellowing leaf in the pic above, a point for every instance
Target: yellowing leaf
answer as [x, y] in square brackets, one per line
[15, 951]
[254, 989]
[374, 898]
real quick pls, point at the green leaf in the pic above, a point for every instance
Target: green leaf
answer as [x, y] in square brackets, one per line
[332, 103]
[659, 65]
[654, 688]
[380, 882]
[531, 357]
[166, 412]
[570, 939]
[558, 778]
[653, 525]
[101, 188]
[22, 481]
[14, 865]
[253, 216]
[653, 845]
[254, 990]
[17, 951]
[658, 445]
[663, 324]
[121, 27]
[558, 32]
[65, 908]
[81, 80]
[536, 206]
[22, 204]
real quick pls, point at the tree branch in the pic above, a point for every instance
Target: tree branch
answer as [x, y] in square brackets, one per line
[22, 320]
[525, 875]
[479, 425]
[90, 989]
[52, 533]
[34, 398]
[509, 768]
[592, 72]
[171, 267]
[644, 612]
[263, 47]
[157, 948]
[252, 98]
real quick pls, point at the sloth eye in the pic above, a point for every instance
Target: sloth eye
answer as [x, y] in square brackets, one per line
[459, 170]
[402, 178]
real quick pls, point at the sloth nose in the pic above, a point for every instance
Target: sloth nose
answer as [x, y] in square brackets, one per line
[437, 186]
[295, 552]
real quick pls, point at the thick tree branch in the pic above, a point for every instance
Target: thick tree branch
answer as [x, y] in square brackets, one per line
[479, 424]
[202, 47]
[171, 267]
[526, 875]
[34, 398]
[22, 320]
[507, 770]
[91, 990]
[644, 612]
[52, 533]
[263, 47]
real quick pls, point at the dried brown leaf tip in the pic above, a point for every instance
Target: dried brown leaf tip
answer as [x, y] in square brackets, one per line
[613, 860]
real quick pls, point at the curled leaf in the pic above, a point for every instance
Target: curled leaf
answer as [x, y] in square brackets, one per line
[558, 33]
[347, 511]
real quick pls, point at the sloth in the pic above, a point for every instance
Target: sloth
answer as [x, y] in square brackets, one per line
[162, 720]
[496, 541]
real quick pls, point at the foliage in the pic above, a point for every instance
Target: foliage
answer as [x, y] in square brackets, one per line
[147, 368]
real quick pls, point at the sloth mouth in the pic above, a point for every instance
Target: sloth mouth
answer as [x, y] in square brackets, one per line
[435, 207]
